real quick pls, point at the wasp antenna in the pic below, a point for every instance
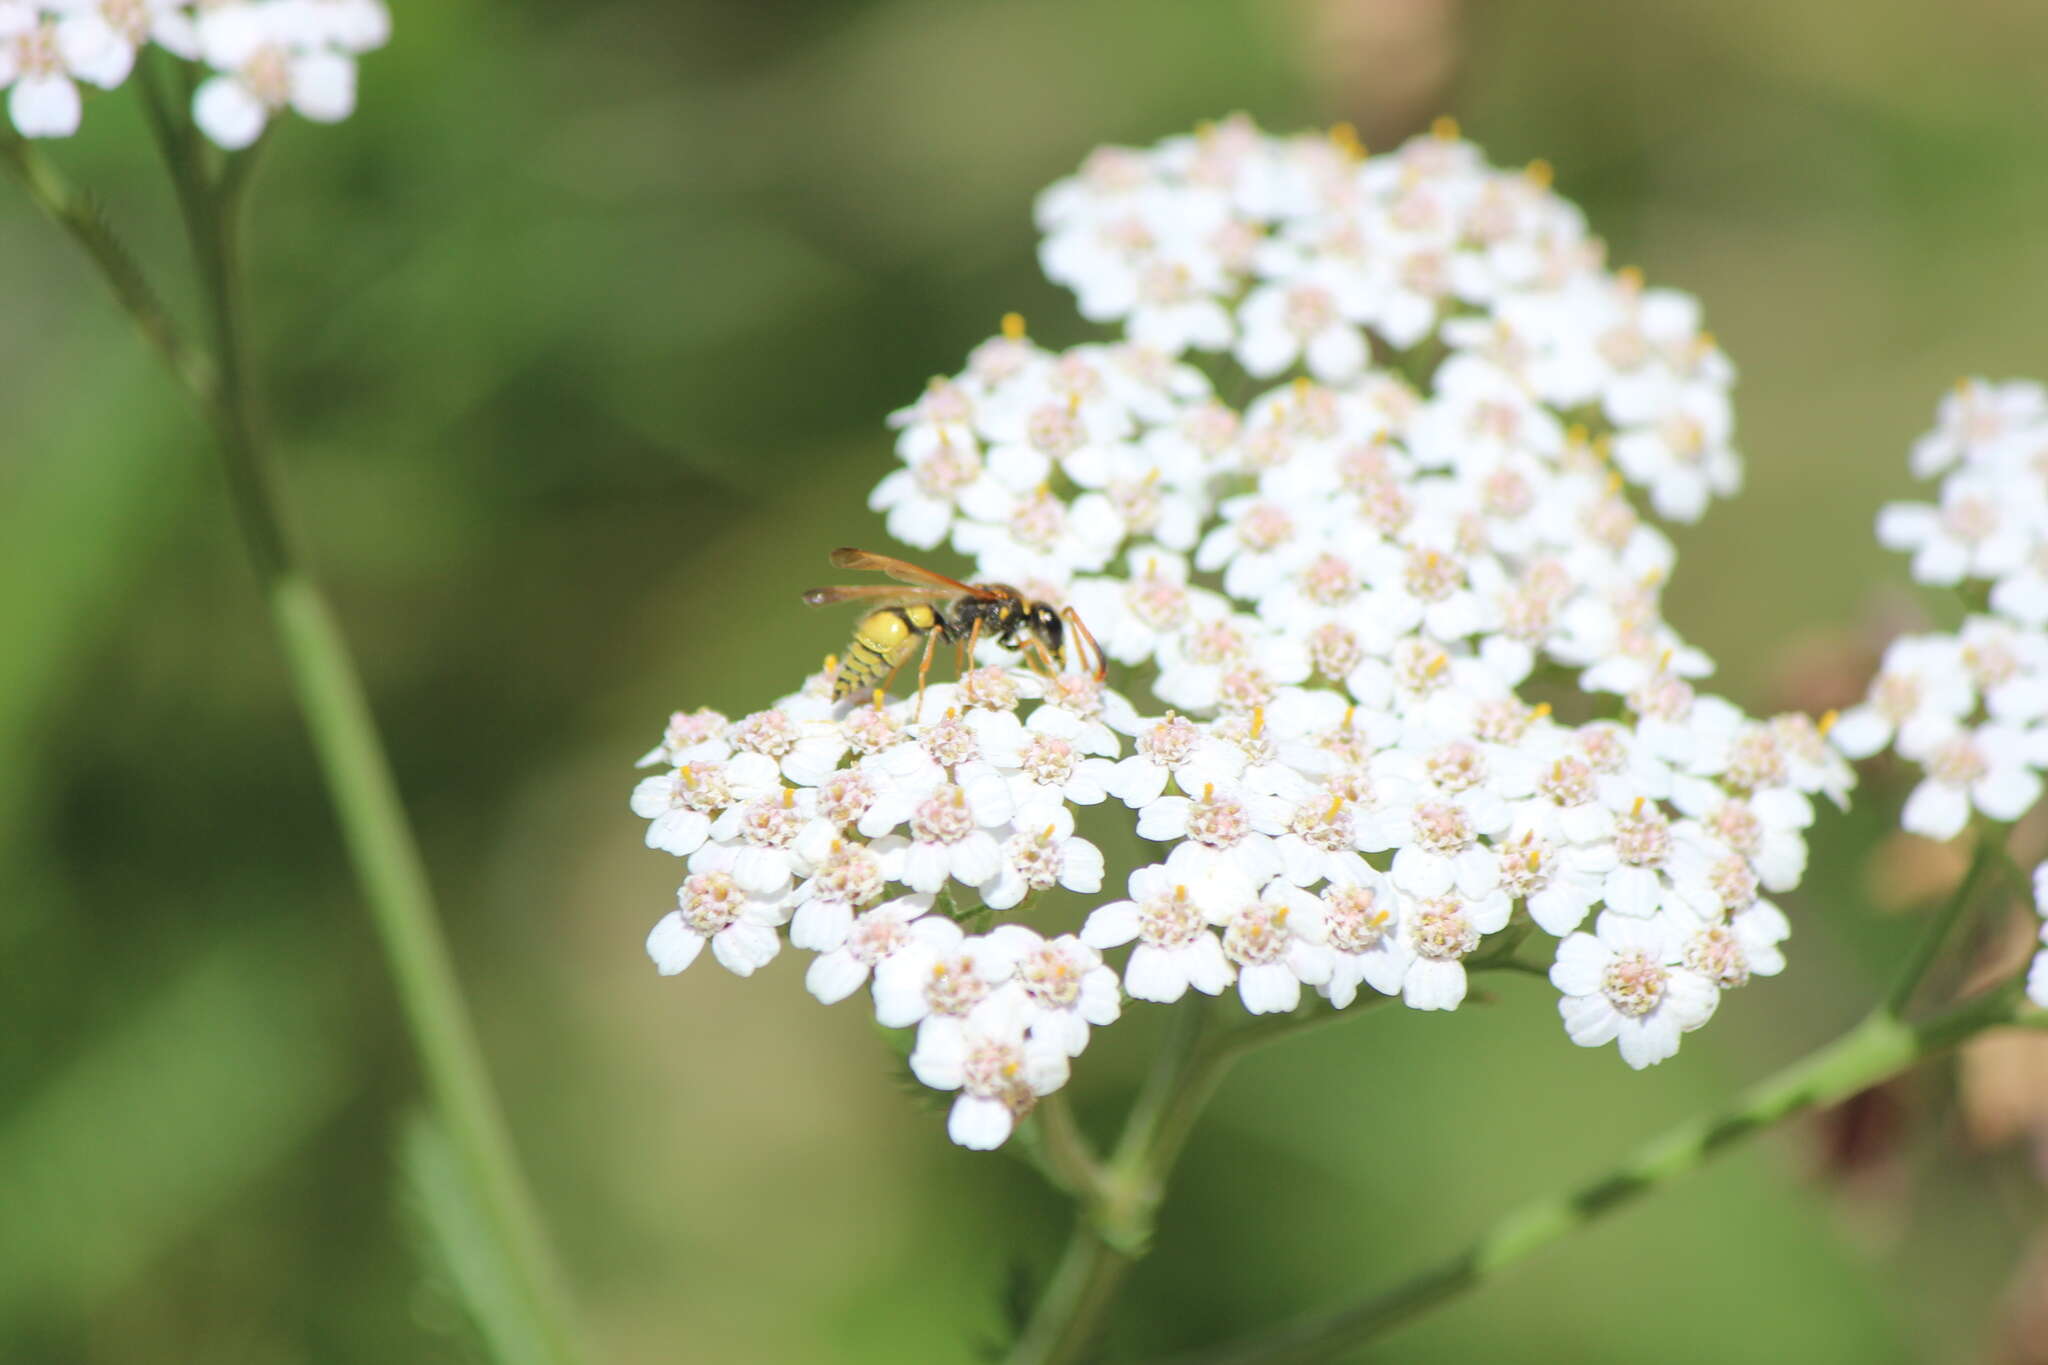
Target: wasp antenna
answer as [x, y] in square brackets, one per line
[845, 557]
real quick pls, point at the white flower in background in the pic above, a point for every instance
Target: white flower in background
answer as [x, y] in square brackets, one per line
[273, 55]
[1920, 691]
[1626, 983]
[38, 64]
[2037, 972]
[1979, 531]
[1992, 768]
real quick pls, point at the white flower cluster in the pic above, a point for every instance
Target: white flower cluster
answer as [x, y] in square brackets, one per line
[1970, 707]
[1324, 609]
[261, 57]
[2037, 974]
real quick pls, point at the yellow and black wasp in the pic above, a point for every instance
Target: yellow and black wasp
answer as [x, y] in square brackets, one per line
[922, 605]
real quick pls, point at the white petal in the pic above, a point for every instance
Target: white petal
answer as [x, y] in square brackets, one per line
[323, 86]
[744, 948]
[1155, 974]
[1647, 1040]
[1936, 810]
[672, 944]
[1434, 985]
[979, 1124]
[833, 976]
[44, 106]
[226, 112]
[1112, 925]
[1268, 988]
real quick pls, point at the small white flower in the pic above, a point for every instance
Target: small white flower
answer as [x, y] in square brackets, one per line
[1362, 923]
[713, 908]
[1990, 767]
[1439, 934]
[938, 978]
[1277, 941]
[999, 1071]
[869, 938]
[271, 55]
[1176, 948]
[1042, 854]
[1064, 985]
[1626, 983]
[1977, 532]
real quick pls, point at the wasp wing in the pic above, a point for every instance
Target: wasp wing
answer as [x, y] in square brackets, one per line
[903, 572]
[882, 593]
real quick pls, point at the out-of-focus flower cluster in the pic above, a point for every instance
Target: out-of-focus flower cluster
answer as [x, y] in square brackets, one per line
[1332, 616]
[1970, 707]
[2037, 973]
[260, 57]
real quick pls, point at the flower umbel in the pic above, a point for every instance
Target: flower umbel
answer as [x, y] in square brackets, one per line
[1462, 434]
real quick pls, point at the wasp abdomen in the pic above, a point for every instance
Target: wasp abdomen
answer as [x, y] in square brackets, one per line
[882, 643]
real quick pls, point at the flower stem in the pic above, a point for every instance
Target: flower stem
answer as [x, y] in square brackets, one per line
[1876, 1049]
[1990, 850]
[1120, 1200]
[329, 691]
[80, 216]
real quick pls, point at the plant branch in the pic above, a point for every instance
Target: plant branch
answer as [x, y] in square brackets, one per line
[80, 216]
[1875, 1050]
[329, 691]
[1990, 849]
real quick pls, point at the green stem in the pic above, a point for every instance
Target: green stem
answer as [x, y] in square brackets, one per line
[1875, 1050]
[80, 216]
[1070, 1312]
[1066, 1157]
[1988, 852]
[378, 834]
[1120, 1201]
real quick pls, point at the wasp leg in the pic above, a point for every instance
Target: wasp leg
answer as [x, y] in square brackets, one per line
[1082, 633]
[973, 641]
[1043, 658]
[931, 642]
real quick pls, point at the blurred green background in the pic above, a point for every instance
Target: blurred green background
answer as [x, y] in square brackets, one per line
[576, 342]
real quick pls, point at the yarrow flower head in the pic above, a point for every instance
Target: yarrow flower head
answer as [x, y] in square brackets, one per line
[1310, 621]
[257, 57]
[1969, 708]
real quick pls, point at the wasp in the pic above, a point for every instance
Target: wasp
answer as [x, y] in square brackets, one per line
[932, 607]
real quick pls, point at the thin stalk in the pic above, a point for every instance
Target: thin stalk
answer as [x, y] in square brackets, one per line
[374, 824]
[1068, 1160]
[1114, 1221]
[80, 216]
[1990, 849]
[1875, 1050]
